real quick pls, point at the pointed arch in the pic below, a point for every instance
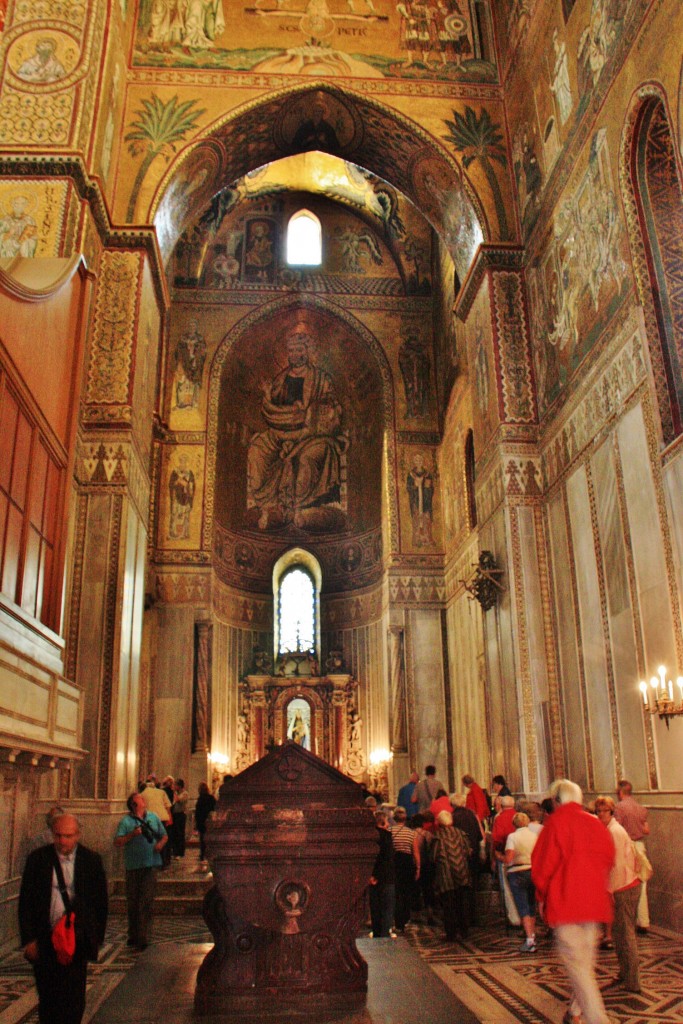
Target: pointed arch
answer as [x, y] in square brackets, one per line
[375, 137]
[653, 200]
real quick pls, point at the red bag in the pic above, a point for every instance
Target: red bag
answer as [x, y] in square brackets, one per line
[64, 939]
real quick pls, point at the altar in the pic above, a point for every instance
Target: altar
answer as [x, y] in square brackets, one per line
[296, 702]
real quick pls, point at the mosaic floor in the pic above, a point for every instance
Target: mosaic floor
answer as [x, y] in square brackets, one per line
[498, 984]
[503, 986]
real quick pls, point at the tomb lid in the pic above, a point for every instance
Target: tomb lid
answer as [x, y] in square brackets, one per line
[291, 776]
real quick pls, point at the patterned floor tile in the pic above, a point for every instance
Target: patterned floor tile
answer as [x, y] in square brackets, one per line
[487, 972]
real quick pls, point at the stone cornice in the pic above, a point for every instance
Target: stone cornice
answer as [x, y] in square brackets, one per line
[89, 190]
[494, 256]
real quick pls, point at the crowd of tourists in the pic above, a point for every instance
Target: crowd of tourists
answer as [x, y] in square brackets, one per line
[581, 871]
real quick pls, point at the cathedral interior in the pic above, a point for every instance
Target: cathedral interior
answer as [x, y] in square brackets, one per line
[447, 425]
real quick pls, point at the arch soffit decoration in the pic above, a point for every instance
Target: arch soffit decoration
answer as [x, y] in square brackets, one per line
[234, 336]
[645, 96]
[383, 142]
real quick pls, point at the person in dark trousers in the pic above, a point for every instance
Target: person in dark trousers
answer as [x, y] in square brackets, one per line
[382, 890]
[206, 804]
[179, 815]
[403, 838]
[61, 988]
[142, 836]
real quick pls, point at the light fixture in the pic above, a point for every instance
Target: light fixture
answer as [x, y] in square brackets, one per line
[381, 756]
[378, 771]
[483, 584]
[661, 701]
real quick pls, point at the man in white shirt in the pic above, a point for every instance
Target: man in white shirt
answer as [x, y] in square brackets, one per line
[61, 988]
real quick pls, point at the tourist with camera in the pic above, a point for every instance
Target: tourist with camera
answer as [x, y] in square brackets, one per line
[143, 837]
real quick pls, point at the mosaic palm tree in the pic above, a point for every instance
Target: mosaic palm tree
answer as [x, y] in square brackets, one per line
[478, 138]
[160, 126]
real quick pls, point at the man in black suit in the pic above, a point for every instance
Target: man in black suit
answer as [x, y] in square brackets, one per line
[61, 989]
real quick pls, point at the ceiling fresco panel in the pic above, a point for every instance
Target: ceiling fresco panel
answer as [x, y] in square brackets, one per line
[372, 39]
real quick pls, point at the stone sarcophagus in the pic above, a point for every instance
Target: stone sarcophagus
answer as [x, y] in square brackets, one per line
[291, 849]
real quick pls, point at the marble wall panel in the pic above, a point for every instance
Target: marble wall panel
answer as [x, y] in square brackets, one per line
[665, 850]
[592, 636]
[503, 714]
[227, 643]
[673, 483]
[535, 627]
[620, 615]
[91, 629]
[468, 690]
[427, 668]
[125, 770]
[571, 688]
[173, 690]
[651, 572]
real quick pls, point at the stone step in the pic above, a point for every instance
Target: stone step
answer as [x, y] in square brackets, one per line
[180, 890]
[172, 887]
[164, 906]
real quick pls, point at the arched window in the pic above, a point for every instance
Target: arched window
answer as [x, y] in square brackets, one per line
[659, 201]
[304, 240]
[296, 589]
[296, 611]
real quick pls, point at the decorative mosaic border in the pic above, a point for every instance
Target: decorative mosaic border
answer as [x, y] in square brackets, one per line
[484, 91]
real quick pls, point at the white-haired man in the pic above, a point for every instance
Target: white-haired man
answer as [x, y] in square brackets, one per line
[570, 868]
[59, 878]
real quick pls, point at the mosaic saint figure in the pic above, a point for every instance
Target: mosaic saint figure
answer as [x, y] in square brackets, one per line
[259, 255]
[43, 66]
[413, 362]
[181, 486]
[420, 485]
[451, 32]
[418, 29]
[18, 230]
[316, 131]
[294, 465]
[560, 85]
[190, 355]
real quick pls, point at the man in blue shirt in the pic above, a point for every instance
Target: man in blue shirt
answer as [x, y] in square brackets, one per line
[142, 837]
[405, 794]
